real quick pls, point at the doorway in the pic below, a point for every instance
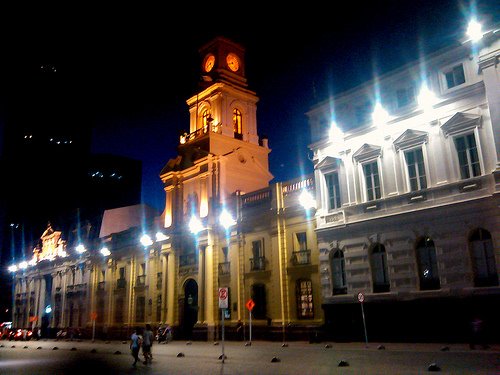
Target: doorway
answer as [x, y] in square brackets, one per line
[189, 308]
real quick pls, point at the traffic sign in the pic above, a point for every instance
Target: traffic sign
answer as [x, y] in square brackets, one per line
[361, 297]
[93, 316]
[223, 303]
[33, 319]
[250, 304]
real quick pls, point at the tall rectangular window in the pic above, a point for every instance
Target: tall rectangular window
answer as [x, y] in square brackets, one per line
[301, 240]
[372, 181]
[304, 294]
[468, 158]
[258, 260]
[333, 190]
[140, 309]
[416, 169]
[455, 76]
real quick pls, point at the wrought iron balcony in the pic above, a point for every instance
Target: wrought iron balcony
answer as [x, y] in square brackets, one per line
[301, 257]
[188, 260]
[224, 268]
[141, 280]
[258, 264]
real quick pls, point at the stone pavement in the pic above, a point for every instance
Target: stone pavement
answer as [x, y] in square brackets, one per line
[262, 357]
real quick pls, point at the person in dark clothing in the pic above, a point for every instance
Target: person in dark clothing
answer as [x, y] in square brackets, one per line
[147, 343]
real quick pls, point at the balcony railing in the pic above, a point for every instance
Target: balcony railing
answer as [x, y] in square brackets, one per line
[121, 283]
[301, 257]
[188, 260]
[224, 268]
[258, 264]
[141, 280]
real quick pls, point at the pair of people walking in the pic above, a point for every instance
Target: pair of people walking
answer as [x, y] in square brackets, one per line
[144, 341]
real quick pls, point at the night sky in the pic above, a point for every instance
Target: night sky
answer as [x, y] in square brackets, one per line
[129, 71]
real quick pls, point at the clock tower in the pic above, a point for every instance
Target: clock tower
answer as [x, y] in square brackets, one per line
[219, 158]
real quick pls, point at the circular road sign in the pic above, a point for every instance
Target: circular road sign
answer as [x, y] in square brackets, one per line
[361, 297]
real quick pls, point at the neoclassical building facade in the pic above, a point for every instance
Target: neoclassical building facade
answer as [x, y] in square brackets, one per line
[224, 226]
[407, 171]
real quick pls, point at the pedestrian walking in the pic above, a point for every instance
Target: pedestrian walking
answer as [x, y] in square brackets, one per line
[147, 343]
[135, 345]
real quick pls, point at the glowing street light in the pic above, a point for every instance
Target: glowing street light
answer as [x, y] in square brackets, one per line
[306, 200]
[426, 98]
[105, 251]
[335, 133]
[23, 265]
[146, 240]
[81, 249]
[379, 115]
[226, 220]
[474, 31]
[195, 225]
[12, 268]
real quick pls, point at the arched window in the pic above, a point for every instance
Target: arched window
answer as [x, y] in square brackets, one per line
[206, 119]
[427, 264]
[379, 269]
[304, 295]
[483, 258]
[337, 265]
[237, 126]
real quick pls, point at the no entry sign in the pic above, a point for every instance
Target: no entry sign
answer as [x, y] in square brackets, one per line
[223, 304]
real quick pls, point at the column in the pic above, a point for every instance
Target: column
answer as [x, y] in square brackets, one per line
[201, 285]
[164, 294]
[209, 286]
[488, 67]
[171, 302]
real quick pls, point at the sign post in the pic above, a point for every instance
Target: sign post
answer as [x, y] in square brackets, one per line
[93, 316]
[361, 299]
[223, 304]
[250, 305]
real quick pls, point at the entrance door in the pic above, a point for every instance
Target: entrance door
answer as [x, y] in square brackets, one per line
[190, 308]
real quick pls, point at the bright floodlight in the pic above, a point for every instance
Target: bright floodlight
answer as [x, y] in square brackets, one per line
[161, 237]
[48, 309]
[12, 268]
[306, 200]
[105, 251]
[81, 249]
[195, 225]
[474, 31]
[146, 240]
[23, 265]
[426, 98]
[226, 219]
[335, 133]
[380, 115]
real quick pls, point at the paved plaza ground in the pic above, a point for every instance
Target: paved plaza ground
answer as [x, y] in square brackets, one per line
[262, 357]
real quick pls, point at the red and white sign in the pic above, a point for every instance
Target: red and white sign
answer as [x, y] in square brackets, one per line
[361, 297]
[223, 303]
[250, 304]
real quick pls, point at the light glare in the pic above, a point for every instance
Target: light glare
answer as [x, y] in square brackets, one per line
[306, 200]
[195, 225]
[146, 240]
[474, 31]
[81, 249]
[105, 251]
[226, 219]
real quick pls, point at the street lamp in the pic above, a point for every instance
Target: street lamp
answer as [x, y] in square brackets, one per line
[146, 240]
[195, 225]
[226, 220]
[306, 200]
[105, 251]
[81, 249]
[474, 31]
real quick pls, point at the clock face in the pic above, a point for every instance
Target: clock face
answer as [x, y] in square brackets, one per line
[209, 63]
[233, 62]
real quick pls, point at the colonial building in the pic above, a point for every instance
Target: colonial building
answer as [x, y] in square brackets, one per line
[224, 226]
[407, 171]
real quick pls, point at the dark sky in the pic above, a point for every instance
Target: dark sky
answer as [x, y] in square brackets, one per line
[130, 70]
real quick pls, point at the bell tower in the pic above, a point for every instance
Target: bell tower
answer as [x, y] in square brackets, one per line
[219, 158]
[223, 125]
